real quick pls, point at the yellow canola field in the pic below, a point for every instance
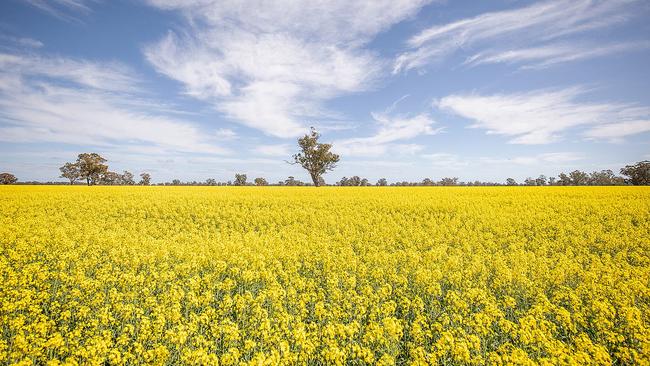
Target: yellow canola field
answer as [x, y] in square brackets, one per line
[327, 276]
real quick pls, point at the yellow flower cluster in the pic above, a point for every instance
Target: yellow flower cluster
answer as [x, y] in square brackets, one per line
[336, 276]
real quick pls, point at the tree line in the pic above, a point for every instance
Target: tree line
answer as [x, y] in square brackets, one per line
[317, 159]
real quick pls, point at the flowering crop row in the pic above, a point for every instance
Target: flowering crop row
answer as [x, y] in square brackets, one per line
[356, 276]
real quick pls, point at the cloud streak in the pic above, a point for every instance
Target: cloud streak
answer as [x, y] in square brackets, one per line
[79, 102]
[541, 117]
[392, 130]
[538, 25]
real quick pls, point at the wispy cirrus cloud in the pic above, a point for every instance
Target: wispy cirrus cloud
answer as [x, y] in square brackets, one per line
[390, 136]
[67, 10]
[615, 132]
[272, 68]
[542, 116]
[511, 33]
[80, 102]
[109, 76]
[549, 55]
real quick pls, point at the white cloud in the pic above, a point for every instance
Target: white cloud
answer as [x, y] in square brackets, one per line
[391, 130]
[63, 9]
[549, 55]
[616, 131]
[22, 41]
[274, 67]
[539, 117]
[446, 161]
[536, 24]
[38, 103]
[110, 76]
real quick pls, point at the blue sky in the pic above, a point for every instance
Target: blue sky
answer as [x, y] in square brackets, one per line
[403, 89]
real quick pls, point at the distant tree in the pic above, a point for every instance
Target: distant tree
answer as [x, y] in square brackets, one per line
[261, 182]
[529, 181]
[291, 181]
[315, 157]
[127, 178]
[579, 178]
[211, 182]
[145, 179]
[541, 180]
[70, 171]
[638, 174]
[240, 179]
[176, 182]
[91, 167]
[110, 179]
[352, 181]
[564, 180]
[448, 181]
[605, 178]
[427, 182]
[551, 181]
[382, 182]
[7, 178]
[511, 182]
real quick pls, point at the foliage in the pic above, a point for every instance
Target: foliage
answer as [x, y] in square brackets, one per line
[70, 171]
[315, 157]
[261, 182]
[91, 167]
[7, 178]
[145, 179]
[240, 179]
[354, 181]
[638, 174]
[258, 276]
[127, 178]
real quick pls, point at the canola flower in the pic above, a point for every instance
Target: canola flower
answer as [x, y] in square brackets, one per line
[329, 276]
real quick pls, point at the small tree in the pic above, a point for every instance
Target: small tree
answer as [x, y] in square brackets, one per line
[564, 180]
[7, 178]
[427, 182]
[638, 174]
[579, 178]
[315, 157]
[449, 181]
[110, 179]
[176, 182]
[529, 181]
[605, 178]
[261, 182]
[240, 179]
[70, 171]
[291, 181]
[145, 179]
[91, 167]
[541, 180]
[511, 182]
[382, 182]
[211, 182]
[127, 178]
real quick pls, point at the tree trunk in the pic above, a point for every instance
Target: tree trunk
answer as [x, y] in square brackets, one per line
[315, 179]
[88, 180]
